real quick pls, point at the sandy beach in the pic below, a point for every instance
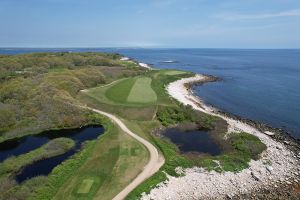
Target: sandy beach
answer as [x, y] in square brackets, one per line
[277, 166]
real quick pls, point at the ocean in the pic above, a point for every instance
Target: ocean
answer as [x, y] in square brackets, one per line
[262, 85]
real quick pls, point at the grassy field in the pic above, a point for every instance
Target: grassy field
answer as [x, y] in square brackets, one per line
[85, 186]
[134, 98]
[129, 92]
[119, 91]
[174, 72]
[116, 159]
[141, 91]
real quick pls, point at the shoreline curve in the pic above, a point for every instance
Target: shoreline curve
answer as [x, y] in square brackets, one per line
[212, 185]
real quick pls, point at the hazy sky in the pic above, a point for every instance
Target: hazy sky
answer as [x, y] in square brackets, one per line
[150, 23]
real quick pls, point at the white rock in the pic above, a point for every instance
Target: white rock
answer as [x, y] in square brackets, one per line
[255, 176]
[269, 168]
[279, 147]
[269, 133]
[124, 59]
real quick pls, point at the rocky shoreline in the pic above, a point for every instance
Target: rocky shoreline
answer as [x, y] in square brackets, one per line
[274, 176]
[279, 134]
[283, 190]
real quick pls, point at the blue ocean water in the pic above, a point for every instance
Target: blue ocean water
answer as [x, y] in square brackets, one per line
[263, 85]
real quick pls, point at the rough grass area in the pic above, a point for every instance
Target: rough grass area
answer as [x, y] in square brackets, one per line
[129, 64]
[141, 92]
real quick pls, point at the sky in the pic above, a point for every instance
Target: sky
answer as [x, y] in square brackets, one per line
[150, 23]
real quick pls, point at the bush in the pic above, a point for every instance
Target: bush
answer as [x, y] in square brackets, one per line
[247, 144]
[7, 117]
[172, 115]
[245, 147]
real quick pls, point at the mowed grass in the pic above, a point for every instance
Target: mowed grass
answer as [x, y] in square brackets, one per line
[174, 72]
[135, 91]
[119, 92]
[85, 186]
[144, 94]
[116, 160]
[141, 92]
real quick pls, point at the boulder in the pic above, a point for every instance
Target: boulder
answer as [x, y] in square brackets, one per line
[255, 176]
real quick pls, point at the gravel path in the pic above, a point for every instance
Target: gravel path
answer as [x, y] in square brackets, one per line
[155, 162]
[277, 165]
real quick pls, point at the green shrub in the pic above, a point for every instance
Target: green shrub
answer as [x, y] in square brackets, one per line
[172, 115]
[245, 147]
[247, 144]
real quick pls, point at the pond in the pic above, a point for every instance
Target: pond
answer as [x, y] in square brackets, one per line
[198, 141]
[44, 167]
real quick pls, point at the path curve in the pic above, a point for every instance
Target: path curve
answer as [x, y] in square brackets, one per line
[155, 162]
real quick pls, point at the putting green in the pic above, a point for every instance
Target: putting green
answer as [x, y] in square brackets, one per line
[85, 186]
[119, 92]
[174, 72]
[142, 92]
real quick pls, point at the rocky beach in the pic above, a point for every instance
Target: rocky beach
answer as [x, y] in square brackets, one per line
[274, 176]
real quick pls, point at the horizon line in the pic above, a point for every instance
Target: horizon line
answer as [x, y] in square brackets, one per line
[141, 47]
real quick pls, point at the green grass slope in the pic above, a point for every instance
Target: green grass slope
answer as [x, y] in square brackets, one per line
[119, 92]
[141, 92]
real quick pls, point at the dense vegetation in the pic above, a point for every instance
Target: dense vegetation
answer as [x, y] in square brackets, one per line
[37, 91]
[169, 116]
[244, 148]
[29, 65]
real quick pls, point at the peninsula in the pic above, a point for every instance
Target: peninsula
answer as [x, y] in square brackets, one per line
[109, 127]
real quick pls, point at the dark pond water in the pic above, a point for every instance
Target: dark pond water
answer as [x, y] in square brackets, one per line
[193, 141]
[44, 167]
